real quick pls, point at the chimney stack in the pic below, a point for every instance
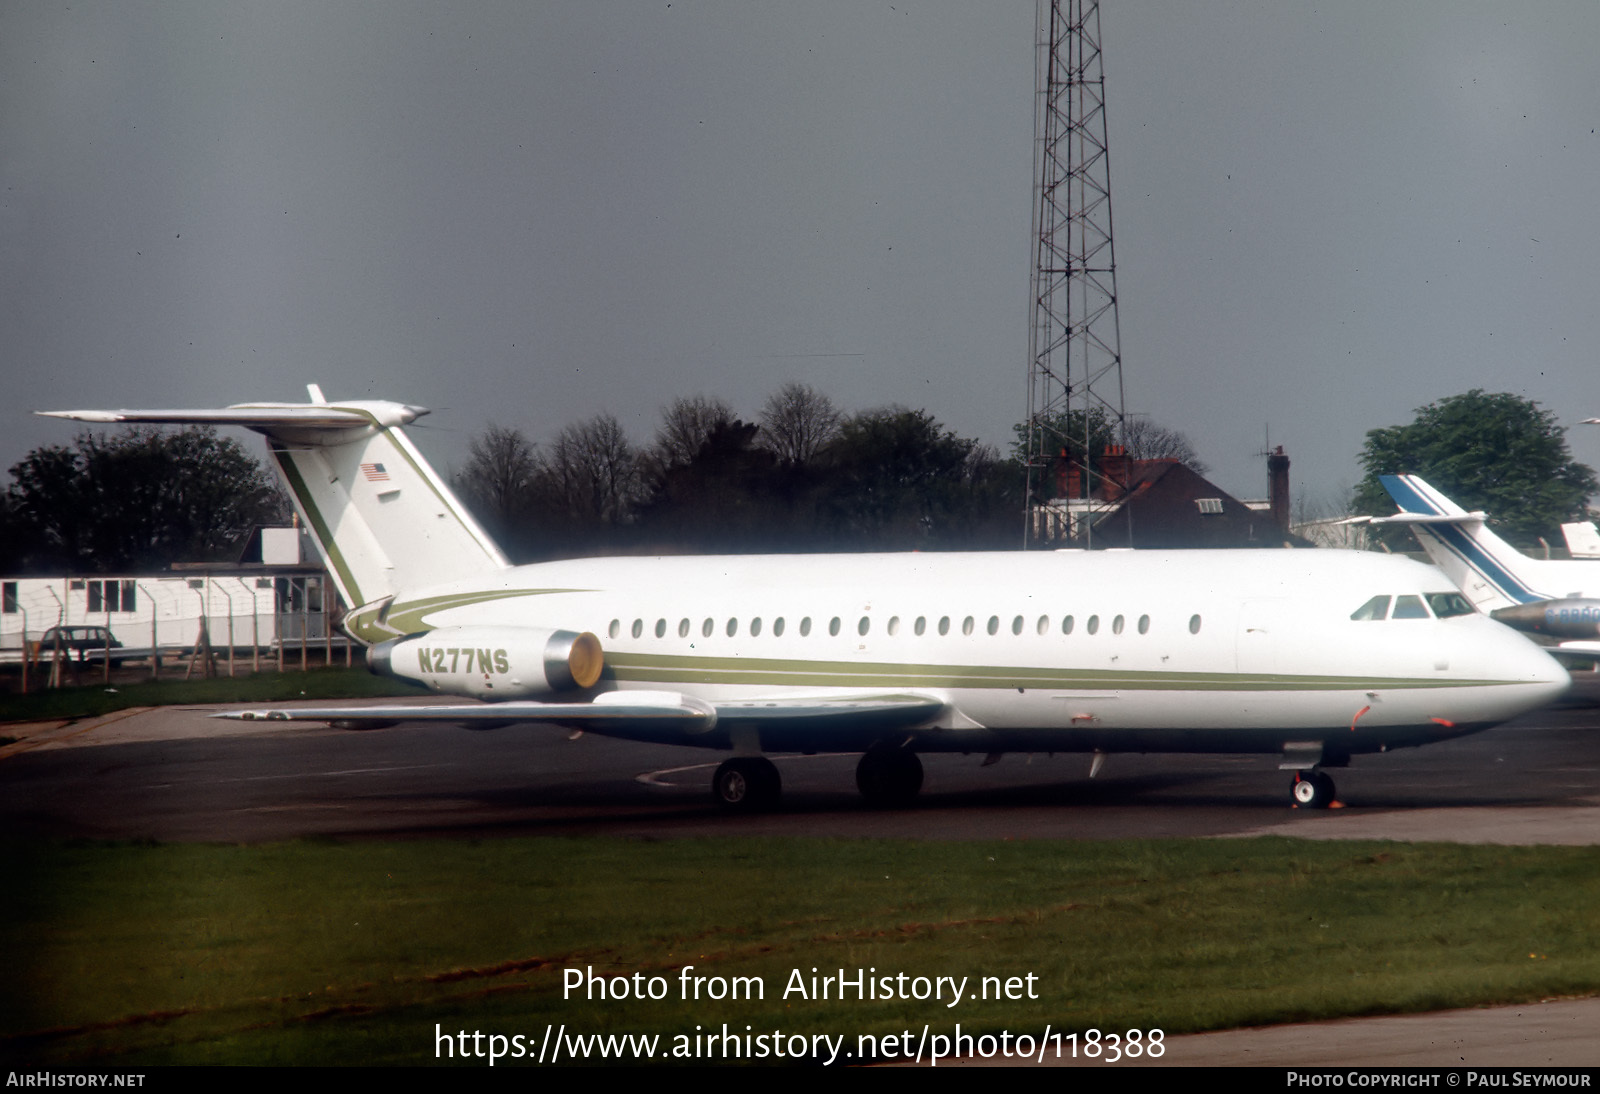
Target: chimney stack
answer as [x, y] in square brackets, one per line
[1278, 487]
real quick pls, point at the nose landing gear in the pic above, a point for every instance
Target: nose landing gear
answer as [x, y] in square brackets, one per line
[1312, 789]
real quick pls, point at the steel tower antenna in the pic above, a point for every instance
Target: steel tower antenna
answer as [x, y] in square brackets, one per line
[1075, 400]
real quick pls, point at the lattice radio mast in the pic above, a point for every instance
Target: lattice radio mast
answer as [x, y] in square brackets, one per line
[1075, 346]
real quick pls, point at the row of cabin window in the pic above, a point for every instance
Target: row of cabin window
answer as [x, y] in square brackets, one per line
[864, 627]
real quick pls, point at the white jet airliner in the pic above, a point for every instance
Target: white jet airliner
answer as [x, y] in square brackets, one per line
[1311, 655]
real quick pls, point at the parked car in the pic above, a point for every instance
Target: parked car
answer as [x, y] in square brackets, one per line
[86, 642]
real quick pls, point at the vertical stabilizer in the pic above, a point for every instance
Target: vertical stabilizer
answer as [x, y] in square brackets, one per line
[1488, 570]
[381, 516]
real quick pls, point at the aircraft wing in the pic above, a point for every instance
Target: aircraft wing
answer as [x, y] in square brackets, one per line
[662, 714]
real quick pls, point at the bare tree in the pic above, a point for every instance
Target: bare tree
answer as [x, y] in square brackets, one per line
[499, 478]
[685, 425]
[591, 471]
[797, 421]
[1148, 441]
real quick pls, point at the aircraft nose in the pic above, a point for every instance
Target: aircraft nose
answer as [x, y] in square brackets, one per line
[1545, 676]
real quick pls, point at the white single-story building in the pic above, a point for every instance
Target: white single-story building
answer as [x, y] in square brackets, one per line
[243, 605]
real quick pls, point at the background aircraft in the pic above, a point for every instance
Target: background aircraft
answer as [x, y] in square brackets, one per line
[1559, 598]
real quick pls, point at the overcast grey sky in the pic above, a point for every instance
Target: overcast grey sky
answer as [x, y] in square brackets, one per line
[533, 212]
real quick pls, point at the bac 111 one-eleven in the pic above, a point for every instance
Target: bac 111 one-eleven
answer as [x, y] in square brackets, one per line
[1278, 652]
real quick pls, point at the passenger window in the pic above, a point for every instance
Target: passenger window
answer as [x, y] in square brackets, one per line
[805, 626]
[1409, 607]
[615, 628]
[833, 626]
[1445, 605]
[638, 627]
[733, 627]
[1016, 625]
[944, 624]
[755, 627]
[966, 625]
[1144, 624]
[894, 625]
[921, 625]
[1373, 610]
[1194, 624]
[683, 628]
[1116, 625]
[777, 627]
[1066, 624]
[994, 624]
[1093, 626]
[661, 628]
[1044, 625]
[708, 626]
[864, 626]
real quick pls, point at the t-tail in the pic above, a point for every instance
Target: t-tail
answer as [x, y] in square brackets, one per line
[1489, 571]
[381, 517]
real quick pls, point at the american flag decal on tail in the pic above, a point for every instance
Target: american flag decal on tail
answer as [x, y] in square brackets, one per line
[374, 472]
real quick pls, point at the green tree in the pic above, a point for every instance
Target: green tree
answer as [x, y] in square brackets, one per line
[138, 500]
[1499, 453]
[896, 479]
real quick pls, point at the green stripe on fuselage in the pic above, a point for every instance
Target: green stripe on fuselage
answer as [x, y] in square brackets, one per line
[407, 617]
[665, 669]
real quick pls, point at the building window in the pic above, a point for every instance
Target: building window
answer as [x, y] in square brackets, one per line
[113, 596]
[8, 597]
[1208, 506]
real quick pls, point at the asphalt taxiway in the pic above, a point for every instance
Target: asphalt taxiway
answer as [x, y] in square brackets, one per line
[178, 774]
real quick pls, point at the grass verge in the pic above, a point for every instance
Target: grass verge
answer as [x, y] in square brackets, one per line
[330, 953]
[267, 687]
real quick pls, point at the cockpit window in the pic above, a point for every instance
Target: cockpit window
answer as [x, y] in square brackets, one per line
[1409, 607]
[1375, 609]
[1445, 605]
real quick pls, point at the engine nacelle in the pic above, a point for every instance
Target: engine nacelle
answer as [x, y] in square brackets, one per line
[1572, 617]
[493, 662]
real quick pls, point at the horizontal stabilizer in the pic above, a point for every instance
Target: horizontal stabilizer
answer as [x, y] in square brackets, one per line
[1421, 518]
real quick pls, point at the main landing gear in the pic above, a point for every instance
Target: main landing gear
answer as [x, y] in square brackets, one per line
[1312, 789]
[889, 775]
[747, 784]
